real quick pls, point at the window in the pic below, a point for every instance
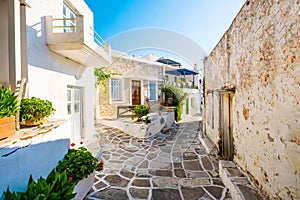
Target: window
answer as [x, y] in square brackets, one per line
[115, 89]
[69, 101]
[69, 18]
[152, 90]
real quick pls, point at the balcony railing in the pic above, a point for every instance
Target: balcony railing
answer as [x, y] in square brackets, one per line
[97, 38]
[182, 85]
[59, 25]
[74, 38]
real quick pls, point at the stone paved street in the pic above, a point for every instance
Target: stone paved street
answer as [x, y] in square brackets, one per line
[170, 165]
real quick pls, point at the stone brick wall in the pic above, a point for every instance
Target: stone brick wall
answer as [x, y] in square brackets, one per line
[260, 55]
[130, 69]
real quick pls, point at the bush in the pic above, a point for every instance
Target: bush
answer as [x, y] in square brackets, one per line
[141, 110]
[178, 112]
[178, 97]
[35, 108]
[79, 164]
[8, 103]
[55, 186]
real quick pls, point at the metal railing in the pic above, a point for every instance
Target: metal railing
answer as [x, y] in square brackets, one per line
[58, 25]
[97, 38]
[64, 28]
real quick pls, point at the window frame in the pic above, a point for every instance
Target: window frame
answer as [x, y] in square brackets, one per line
[155, 90]
[69, 12]
[121, 88]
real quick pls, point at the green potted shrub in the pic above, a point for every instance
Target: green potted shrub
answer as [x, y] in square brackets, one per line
[34, 110]
[55, 186]
[80, 166]
[140, 111]
[8, 107]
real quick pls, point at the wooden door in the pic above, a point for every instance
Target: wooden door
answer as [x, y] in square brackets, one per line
[226, 124]
[136, 92]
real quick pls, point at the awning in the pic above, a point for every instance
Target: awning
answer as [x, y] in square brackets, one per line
[169, 62]
[181, 71]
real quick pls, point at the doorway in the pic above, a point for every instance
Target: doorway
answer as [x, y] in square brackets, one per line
[136, 92]
[226, 126]
[74, 106]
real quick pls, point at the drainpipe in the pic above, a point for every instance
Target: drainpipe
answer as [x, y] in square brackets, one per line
[24, 56]
[12, 44]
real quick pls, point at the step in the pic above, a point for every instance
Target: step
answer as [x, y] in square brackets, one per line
[238, 184]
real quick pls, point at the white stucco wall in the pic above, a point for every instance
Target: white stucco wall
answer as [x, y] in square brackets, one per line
[49, 73]
[194, 101]
[37, 156]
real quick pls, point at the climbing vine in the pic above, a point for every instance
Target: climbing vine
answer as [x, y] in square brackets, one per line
[177, 96]
[102, 76]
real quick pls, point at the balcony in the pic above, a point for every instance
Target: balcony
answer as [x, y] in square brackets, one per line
[77, 42]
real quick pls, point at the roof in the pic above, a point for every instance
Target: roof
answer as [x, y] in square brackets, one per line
[169, 62]
[181, 71]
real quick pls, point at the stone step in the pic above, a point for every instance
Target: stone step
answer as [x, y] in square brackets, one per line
[238, 184]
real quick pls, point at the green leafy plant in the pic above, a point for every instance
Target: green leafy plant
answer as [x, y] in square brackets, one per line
[8, 103]
[79, 163]
[178, 97]
[103, 76]
[55, 186]
[35, 108]
[140, 111]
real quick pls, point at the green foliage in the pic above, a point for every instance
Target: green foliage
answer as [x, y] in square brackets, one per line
[79, 163]
[178, 112]
[55, 186]
[141, 110]
[147, 121]
[102, 76]
[178, 98]
[8, 103]
[35, 108]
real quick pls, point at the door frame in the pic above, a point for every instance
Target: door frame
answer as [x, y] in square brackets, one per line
[226, 124]
[141, 90]
[81, 131]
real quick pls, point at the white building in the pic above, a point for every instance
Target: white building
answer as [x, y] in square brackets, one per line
[52, 43]
[62, 51]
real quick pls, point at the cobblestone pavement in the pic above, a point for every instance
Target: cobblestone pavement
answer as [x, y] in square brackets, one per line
[170, 165]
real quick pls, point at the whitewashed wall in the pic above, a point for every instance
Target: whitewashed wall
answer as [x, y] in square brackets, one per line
[49, 73]
[37, 156]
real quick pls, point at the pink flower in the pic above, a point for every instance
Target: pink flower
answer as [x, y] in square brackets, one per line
[72, 145]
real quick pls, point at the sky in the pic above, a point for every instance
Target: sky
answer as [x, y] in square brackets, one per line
[203, 21]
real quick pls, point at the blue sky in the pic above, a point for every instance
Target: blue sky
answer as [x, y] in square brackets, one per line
[204, 21]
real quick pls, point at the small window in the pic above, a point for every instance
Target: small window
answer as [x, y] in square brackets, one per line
[69, 18]
[152, 90]
[115, 89]
[68, 95]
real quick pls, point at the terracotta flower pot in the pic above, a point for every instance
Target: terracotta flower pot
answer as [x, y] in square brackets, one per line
[33, 122]
[7, 127]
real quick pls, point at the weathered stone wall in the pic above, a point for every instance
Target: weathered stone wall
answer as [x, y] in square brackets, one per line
[130, 69]
[260, 55]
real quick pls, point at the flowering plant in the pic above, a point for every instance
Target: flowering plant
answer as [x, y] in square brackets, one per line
[79, 163]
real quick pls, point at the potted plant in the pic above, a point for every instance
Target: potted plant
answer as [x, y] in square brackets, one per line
[140, 111]
[34, 110]
[54, 186]
[8, 107]
[80, 166]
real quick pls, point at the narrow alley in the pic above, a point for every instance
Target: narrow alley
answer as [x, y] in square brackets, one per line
[172, 165]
